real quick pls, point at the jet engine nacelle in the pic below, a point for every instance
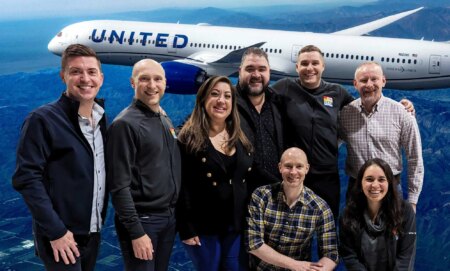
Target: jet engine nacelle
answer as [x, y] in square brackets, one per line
[183, 78]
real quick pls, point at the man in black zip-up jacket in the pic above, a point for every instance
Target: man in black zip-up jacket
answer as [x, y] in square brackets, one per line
[60, 168]
[144, 173]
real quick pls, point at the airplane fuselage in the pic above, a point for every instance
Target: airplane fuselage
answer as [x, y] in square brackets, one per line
[407, 64]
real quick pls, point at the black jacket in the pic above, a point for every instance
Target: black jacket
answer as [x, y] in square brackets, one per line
[312, 116]
[55, 169]
[143, 165]
[400, 249]
[201, 208]
[259, 175]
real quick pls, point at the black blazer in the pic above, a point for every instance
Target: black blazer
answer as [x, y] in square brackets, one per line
[200, 208]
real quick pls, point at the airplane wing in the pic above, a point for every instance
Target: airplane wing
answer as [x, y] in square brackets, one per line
[235, 57]
[232, 58]
[369, 27]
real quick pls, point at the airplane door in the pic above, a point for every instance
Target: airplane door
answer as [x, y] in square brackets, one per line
[435, 63]
[294, 53]
[170, 44]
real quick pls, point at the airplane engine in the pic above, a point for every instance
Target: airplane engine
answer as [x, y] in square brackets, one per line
[183, 78]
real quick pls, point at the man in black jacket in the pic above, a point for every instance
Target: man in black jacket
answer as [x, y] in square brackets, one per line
[144, 172]
[60, 169]
[312, 113]
[260, 115]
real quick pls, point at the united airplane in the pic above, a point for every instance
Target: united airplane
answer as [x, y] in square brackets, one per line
[190, 53]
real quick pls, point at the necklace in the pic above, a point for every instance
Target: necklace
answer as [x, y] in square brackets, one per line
[219, 140]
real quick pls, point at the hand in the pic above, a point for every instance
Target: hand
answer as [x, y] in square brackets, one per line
[143, 248]
[301, 266]
[408, 106]
[192, 241]
[66, 247]
[317, 266]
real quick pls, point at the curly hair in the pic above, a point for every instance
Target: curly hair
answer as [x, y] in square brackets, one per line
[391, 205]
[195, 131]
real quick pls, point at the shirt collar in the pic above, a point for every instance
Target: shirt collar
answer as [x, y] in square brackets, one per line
[375, 107]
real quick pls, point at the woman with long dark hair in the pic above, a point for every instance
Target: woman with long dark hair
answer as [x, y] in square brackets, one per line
[378, 227]
[216, 159]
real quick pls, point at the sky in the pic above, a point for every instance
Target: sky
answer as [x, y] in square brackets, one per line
[13, 9]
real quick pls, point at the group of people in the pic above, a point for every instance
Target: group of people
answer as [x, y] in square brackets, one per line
[247, 182]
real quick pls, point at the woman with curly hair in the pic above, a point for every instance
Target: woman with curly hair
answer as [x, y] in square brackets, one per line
[216, 160]
[378, 228]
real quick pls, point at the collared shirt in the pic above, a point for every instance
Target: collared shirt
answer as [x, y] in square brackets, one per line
[287, 230]
[383, 133]
[93, 135]
[266, 150]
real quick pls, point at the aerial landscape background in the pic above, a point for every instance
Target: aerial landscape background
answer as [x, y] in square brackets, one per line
[29, 78]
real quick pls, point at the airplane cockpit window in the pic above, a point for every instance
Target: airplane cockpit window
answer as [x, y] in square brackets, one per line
[59, 34]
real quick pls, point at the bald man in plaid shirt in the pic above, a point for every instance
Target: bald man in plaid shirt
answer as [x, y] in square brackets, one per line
[284, 217]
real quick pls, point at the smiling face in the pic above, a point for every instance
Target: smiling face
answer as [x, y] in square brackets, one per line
[374, 184]
[293, 167]
[149, 83]
[310, 66]
[254, 74]
[82, 77]
[219, 102]
[369, 81]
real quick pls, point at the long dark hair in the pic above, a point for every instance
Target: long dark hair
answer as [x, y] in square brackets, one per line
[391, 205]
[194, 133]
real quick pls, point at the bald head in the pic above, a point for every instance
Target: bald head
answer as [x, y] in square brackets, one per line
[295, 153]
[148, 80]
[146, 63]
[293, 168]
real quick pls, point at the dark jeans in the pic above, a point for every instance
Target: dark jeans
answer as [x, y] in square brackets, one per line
[218, 252]
[327, 187]
[88, 246]
[161, 230]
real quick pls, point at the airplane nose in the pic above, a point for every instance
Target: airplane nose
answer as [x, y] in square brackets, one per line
[55, 46]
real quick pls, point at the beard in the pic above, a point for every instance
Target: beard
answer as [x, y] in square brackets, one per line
[253, 91]
[369, 100]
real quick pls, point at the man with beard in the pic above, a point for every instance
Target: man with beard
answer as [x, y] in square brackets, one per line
[375, 126]
[260, 115]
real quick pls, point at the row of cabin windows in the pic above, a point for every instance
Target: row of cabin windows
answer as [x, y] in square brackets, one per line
[347, 56]
[371, 58]
[328, 55]
[203, 45]
[231, 47]
[398, 60]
